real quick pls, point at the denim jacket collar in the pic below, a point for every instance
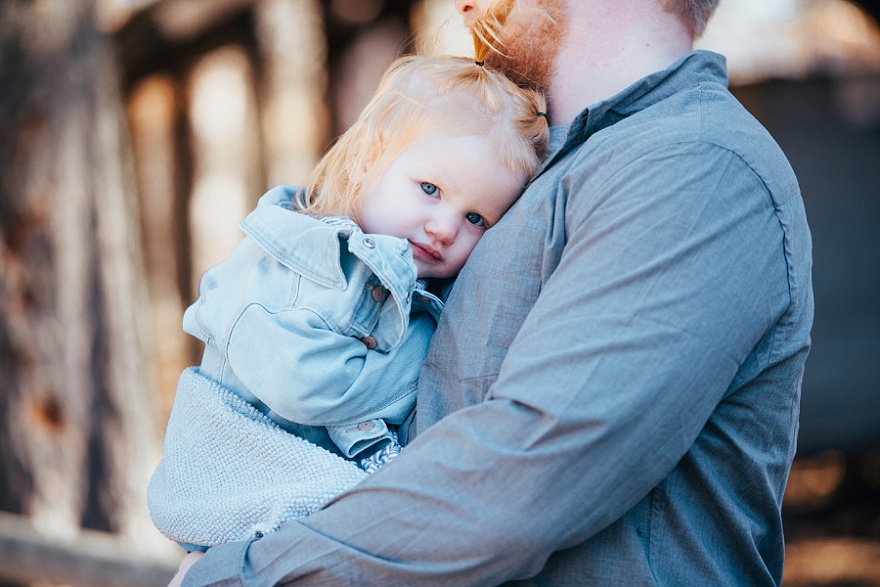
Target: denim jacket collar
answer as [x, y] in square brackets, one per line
[313, 249]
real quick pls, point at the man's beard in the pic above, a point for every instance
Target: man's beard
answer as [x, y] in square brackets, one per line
[531, 42]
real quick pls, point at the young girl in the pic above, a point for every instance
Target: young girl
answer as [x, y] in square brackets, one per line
[317, 324]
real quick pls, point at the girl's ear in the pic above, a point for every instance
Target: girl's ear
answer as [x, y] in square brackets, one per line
[358, 175]
[358, 165]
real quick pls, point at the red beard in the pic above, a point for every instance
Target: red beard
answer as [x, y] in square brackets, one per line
[531, 41]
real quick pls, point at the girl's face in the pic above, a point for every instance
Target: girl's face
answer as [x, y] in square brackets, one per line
[440, 194]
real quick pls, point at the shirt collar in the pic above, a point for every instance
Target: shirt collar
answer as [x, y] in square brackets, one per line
[694, 68]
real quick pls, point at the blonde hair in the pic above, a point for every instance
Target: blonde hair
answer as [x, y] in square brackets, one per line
[419, 95]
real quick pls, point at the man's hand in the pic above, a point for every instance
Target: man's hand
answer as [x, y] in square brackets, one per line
[188, 561]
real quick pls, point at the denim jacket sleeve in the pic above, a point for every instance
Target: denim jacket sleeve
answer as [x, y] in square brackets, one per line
[324, 378]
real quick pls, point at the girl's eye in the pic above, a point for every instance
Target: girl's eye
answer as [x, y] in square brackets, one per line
[428, 188]
[475, 219]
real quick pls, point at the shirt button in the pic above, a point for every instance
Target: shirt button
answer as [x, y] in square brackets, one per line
[379, 293]
[366, 426]
[368, 242]
[369, 341]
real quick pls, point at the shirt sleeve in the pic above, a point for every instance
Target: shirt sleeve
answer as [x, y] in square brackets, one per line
[667, 281]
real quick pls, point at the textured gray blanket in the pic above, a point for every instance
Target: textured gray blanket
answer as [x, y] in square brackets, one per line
[230, 473]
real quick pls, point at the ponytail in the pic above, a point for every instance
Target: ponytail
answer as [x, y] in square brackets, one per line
[486, 33]
[486, 28]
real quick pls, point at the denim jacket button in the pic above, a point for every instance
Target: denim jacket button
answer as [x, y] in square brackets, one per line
[368, 242]
[379, 293]
[369, 341]
[366, 426]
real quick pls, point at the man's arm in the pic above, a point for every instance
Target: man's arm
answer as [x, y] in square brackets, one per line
[635, 338]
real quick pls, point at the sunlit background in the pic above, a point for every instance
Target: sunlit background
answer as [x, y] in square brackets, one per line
[223, 99]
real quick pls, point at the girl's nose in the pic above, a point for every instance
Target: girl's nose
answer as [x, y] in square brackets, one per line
[443, 229]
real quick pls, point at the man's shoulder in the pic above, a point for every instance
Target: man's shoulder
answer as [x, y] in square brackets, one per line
[703, 112]
[699, 122]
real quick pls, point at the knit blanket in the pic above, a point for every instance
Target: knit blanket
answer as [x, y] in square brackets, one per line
[229, 473]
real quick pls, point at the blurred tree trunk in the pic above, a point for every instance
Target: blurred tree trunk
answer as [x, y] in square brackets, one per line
[77, 433]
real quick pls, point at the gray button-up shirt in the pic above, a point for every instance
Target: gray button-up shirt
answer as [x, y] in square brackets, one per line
[611, 397]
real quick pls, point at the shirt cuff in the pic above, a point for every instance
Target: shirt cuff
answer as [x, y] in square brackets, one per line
[221, 566]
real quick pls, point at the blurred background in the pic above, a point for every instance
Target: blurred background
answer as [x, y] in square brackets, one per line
[136, 134]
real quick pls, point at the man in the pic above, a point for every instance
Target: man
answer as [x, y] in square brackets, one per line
[612, 396]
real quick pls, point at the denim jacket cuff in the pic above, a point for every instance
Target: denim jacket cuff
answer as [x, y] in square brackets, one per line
[355, 438]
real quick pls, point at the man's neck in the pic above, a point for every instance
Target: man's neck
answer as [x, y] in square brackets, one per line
[596, 62]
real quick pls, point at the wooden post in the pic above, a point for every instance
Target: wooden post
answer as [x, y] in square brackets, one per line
[77, 438]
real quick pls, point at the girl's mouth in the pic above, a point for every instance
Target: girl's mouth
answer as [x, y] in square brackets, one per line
[425, 252]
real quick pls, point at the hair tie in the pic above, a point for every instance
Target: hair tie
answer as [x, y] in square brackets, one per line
[480, 63]
[544, 114]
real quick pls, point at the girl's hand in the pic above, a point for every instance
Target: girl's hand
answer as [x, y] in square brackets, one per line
[188, 561]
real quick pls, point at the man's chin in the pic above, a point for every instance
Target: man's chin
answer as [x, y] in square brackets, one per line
[531, 46]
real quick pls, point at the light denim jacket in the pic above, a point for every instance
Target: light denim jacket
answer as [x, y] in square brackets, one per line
[319, 326]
